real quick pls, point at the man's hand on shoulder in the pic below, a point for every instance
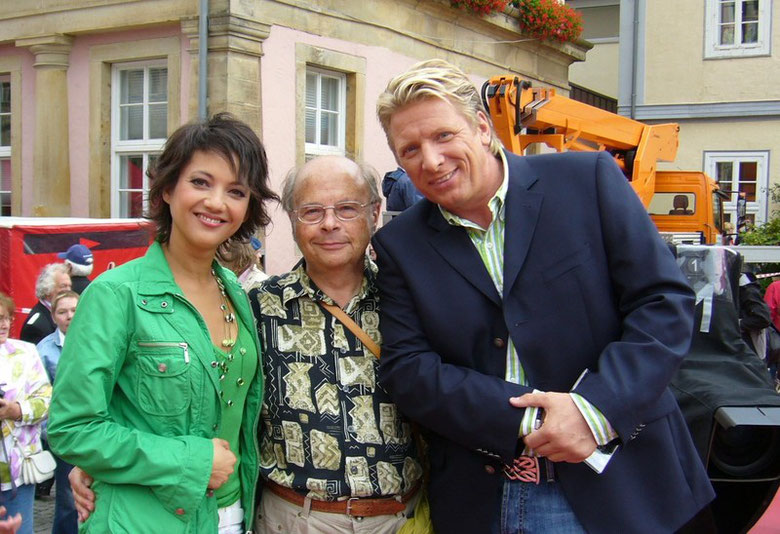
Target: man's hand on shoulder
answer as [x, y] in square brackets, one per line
[564, 435]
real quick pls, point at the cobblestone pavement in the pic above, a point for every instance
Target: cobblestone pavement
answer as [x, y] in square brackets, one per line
[44, 513]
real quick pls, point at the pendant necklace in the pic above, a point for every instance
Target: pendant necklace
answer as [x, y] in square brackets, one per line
[228, 341]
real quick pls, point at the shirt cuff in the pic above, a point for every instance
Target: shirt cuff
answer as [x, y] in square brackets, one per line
[602, 431]
[528, 424]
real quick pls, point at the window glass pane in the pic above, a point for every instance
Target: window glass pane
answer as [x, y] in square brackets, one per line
[158, 85]
[131, 204]
[727, 34]
[749, 190]
[726, 12]
[5, 97]
[311, 90]
[131, 86]
[723, 170]
[5, 204]
[158, 121]
[750, 32]
[330, 94]
[5, 186]
[131, 122]
[749, 10]
[131, 172]
[672, 204]
[329, 129]
[5, 174]
[5, 130]
[311, 126]
[748, 171]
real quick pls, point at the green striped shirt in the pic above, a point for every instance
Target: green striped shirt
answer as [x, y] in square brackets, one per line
[489, 243]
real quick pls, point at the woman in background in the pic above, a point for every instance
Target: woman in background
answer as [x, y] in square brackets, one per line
[24, 404]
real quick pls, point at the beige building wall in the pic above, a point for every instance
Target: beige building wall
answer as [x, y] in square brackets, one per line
[697, 138]
[676, 71]
[599, 71]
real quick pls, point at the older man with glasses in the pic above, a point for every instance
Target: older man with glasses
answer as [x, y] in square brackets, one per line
[336, 455]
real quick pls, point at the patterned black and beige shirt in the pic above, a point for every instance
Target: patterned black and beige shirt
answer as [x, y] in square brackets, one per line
[328, 429]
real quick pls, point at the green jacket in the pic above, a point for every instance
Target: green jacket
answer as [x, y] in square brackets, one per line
[137, 402]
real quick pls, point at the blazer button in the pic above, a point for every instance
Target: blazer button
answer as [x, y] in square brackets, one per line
[179, 511]
[162, 367]
[498, 342]
[210, 493]
[490, 470]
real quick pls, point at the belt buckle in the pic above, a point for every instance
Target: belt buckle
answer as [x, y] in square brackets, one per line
[349, 507]
[524, 469]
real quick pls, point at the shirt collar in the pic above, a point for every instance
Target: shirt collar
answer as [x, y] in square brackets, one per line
[60, 336]
[297, 283]
[495, 204]
[8, 347]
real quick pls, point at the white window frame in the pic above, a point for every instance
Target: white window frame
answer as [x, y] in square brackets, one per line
[145, 147]
[5, 151]
[713, 48]
[317, 148]
[758, 207]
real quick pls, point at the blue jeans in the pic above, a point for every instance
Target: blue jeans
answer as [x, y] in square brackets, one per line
[66, 519]
[527, 508]
[22, 503]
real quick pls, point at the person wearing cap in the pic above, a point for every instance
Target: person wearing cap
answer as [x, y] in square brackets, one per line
[79, 260]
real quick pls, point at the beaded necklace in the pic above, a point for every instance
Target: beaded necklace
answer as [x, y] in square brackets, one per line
[228, 341]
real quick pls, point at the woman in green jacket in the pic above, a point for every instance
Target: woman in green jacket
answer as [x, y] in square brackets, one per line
[158, 388]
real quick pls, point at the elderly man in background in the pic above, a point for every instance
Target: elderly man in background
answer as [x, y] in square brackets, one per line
[336, 455]
[52, 280]
[80, 263]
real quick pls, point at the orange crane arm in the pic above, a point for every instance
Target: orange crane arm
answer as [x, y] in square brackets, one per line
[566, 124]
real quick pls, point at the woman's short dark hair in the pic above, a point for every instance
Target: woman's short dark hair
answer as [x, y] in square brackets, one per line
[228, 137]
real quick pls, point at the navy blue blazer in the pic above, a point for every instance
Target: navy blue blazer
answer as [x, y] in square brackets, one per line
[589, 286]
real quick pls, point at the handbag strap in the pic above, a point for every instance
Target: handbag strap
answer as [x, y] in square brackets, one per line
[339, 314]
[8, 455]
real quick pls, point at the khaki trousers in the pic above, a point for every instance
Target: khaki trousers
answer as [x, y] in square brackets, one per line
[277, 516]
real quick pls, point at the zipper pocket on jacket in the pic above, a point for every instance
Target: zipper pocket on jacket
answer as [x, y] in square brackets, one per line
[182, 346]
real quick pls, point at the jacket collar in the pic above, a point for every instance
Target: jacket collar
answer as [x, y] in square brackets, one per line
[156, 277]
[522, 208]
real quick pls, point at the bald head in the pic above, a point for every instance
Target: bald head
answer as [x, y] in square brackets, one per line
[327, 166]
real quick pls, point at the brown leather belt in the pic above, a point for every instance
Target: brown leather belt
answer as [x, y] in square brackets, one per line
[355, 506]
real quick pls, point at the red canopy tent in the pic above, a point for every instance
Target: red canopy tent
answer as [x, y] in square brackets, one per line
[27, 244]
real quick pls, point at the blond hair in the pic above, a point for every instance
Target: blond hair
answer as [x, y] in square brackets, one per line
[433, 78]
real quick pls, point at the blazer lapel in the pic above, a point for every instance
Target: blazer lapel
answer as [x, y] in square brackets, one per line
[454, 245]
[521, 215]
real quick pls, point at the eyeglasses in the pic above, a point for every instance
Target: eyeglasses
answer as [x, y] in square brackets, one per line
[344, 211]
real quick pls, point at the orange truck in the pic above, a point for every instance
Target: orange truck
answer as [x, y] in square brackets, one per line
[685, 206]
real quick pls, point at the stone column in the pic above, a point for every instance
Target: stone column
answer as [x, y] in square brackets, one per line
[51, 161]
[234, 50]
